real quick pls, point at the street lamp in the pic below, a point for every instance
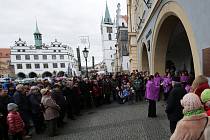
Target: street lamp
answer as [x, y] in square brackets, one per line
[85, 53]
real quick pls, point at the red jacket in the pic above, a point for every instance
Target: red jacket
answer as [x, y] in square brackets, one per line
[201, 88]
[15, 123]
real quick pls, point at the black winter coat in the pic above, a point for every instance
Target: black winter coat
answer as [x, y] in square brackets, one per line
[174, 107]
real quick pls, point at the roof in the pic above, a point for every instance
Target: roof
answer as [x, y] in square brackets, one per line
[5, 52]
[37, 29]
[125, 17]
[107, 18]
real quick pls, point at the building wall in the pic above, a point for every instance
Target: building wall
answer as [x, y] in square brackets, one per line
[49, 51]
[194, 16]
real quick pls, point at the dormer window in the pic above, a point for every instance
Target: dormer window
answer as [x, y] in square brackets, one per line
[22, 44]
[58, 45]
[18, 50]
[53, 45]
[17, 44]
[54, 50]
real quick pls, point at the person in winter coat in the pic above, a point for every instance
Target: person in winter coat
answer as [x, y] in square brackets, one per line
[152, 96]
[174, 107]
[4, 100]
[195, 125]
[24, 109]
[15, 122]
[59, 98]
[138, 85]
[70, 97]
[205, 98]
[199, 84]
[36, 110]
[96, 92]
[50, 112]
[167, 81]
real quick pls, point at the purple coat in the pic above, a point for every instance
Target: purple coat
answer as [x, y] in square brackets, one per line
[151, 91]
[167, 84]
[184, 78]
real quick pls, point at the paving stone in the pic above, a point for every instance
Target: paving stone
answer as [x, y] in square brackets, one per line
[116, 122]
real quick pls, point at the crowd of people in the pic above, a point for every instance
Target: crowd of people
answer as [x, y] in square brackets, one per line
[42, 105]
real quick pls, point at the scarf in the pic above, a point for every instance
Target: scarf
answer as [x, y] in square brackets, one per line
[194, 112]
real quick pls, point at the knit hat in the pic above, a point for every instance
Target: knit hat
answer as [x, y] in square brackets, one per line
[191, 102]
[44, 91]
[12, 106]
[205, 95]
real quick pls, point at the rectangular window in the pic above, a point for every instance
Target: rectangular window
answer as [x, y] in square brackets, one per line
[19, 66]
[36, 57]
[37, 66]
[27, 57]
[62, 65]
[53, 56]
[61, 56]
[18, 57]
[109, 29]
[44, 57]
[45, 65]
[28, 66]
[55, 65]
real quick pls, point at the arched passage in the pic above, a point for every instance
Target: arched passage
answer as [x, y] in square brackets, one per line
[174, 41]
[46, 74]
[21, 75]
[144, 59]
[61, 74]
[32, 75]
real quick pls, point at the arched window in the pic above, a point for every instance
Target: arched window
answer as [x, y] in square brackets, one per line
[110, 37]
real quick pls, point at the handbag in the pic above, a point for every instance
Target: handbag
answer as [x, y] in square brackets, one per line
[207, 120]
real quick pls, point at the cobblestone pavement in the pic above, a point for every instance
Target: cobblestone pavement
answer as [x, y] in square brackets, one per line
[116, 122]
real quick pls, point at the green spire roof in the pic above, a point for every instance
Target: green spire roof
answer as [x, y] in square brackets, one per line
[107, 18]
[37, 29]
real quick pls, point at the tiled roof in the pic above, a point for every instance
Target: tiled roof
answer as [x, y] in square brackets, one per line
[4, 52]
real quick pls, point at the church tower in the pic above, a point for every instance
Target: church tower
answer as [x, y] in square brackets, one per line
[38, 38]
[108, 36]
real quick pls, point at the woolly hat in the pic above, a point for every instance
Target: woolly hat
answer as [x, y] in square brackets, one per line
[191, 102]
[44, 91]
[12, 106]
[205, 95]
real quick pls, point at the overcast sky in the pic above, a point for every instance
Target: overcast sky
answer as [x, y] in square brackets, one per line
[65, 20]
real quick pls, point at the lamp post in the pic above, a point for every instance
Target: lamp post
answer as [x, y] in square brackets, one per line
[85, 53]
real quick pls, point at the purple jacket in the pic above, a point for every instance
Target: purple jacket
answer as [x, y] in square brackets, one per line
[167, 84]
[184, 78]
[151, 91]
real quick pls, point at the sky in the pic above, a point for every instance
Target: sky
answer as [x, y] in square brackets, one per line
[64, 20]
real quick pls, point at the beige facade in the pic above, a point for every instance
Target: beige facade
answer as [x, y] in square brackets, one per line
[132, 35]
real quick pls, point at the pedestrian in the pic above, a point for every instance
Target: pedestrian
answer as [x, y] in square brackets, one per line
[205, 98]
[195, 125]
[60, 100]
[69, 94]
[4, 100]
[167, 81]
[50, 112]
[138, 85]
[15, 122]
[36, 110]
[152, 96]
[174, 107]
[24, 109]
[199, 84]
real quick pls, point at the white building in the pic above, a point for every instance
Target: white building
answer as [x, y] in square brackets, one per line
[108, 35]
[42, 60]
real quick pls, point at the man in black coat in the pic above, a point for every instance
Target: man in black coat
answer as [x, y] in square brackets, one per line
[4, 100]
[174, 107]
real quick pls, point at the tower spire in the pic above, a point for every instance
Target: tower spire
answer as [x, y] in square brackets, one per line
[37, 37]
[37, 29]
[107, 18]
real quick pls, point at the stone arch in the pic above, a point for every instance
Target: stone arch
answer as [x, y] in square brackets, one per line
[32, 75]
[21, 75]
[144, 58]
[159, 45]
[46, 74]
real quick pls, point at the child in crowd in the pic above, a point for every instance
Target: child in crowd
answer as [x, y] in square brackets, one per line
[205, 98]
[15, 122]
